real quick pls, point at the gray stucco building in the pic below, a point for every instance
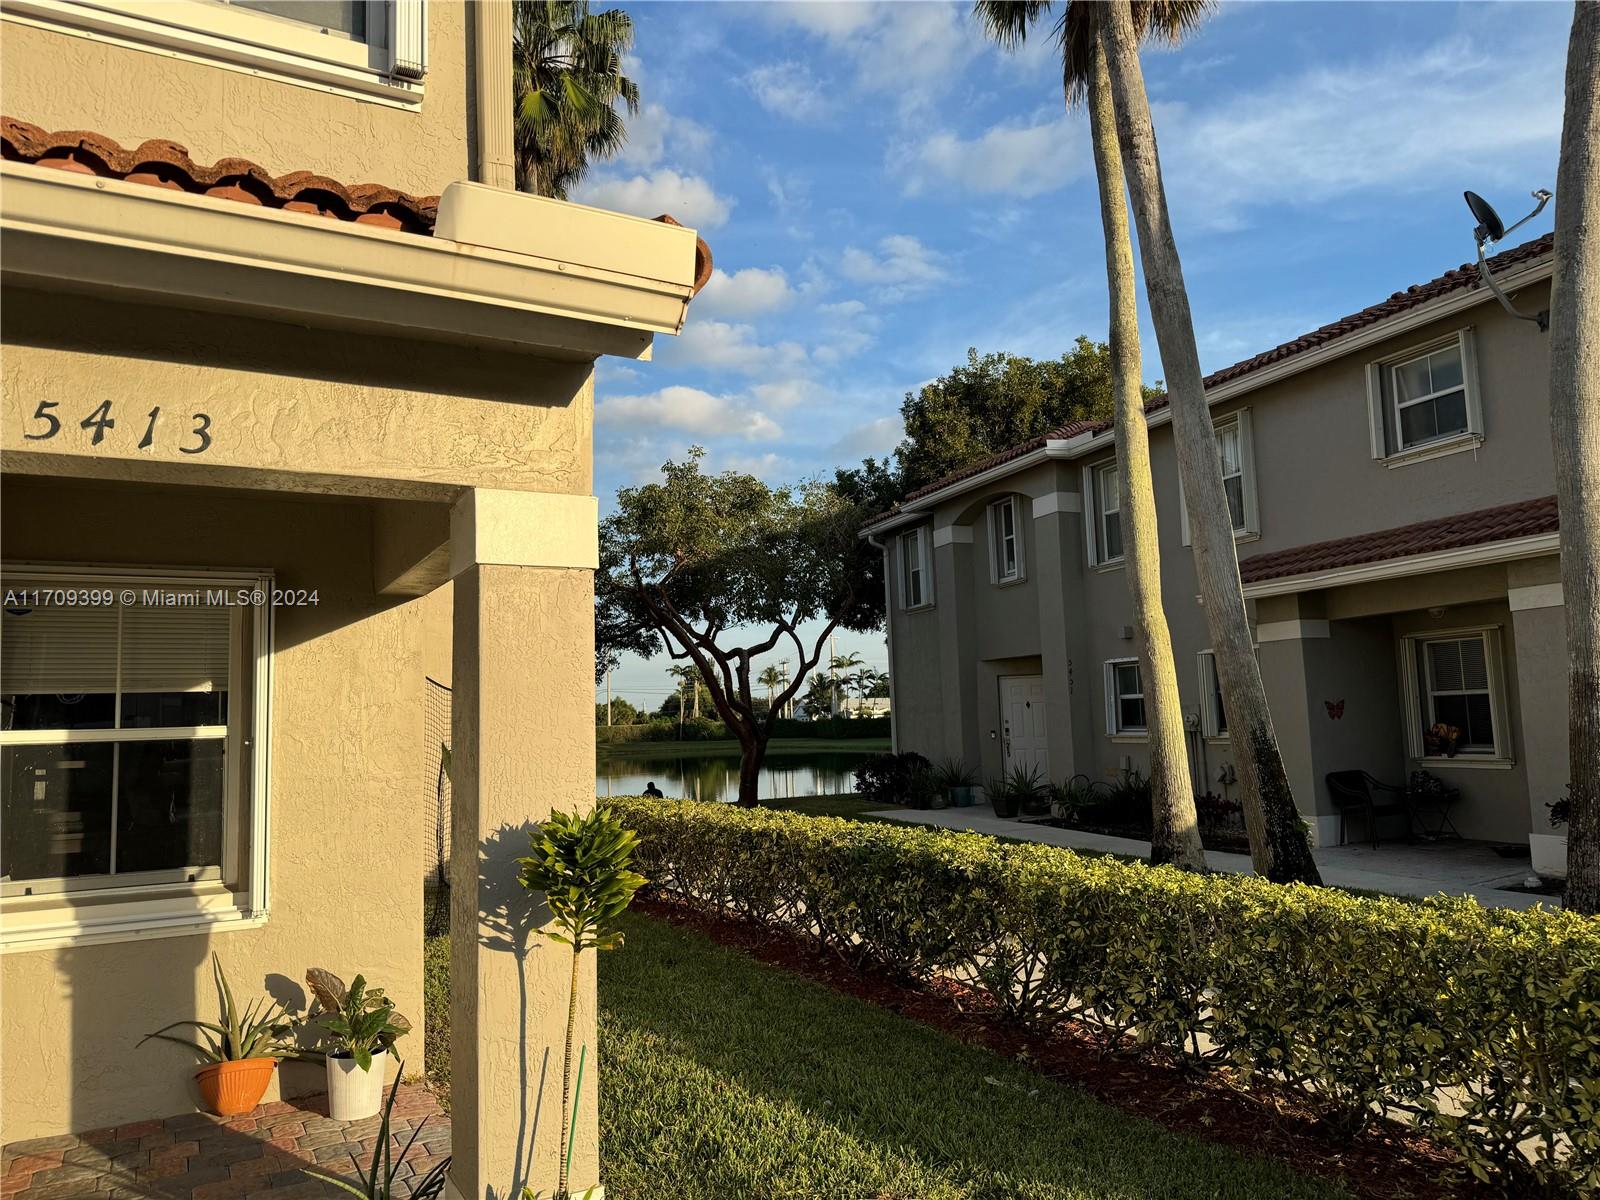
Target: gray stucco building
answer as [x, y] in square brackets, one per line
[1391, 482]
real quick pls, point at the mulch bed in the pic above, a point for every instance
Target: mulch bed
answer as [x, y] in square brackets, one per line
[1388, 1161]
[1224, 841]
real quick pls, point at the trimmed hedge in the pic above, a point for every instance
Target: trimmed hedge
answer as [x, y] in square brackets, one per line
[1368, 1006]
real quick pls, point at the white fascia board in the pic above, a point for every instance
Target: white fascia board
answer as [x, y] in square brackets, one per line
[165, 246]
[926, 504]
[1416, 564]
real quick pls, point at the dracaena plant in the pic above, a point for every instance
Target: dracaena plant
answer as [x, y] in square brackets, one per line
[377, 1182]
[580, 864]
[261, 1030]
[359, 1021]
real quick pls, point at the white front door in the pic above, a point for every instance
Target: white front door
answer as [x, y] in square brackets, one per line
[1022, 724]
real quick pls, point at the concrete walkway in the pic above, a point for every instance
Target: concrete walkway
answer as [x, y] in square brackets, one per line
[1425, 869]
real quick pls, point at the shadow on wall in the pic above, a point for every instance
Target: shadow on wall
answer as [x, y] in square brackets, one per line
[509, 916]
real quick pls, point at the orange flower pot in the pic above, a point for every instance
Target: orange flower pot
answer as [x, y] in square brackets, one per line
[231, 1088]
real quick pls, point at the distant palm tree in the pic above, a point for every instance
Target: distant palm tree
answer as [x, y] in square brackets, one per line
[687, 677]
[1175, 828]
[839, 667]
[566, 78]
[772, 680]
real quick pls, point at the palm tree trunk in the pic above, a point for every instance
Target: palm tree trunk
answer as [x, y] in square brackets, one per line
[1278, 846]
[1175, 828]
[1575, 436]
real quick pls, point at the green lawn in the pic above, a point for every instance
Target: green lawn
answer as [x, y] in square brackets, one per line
[724, 1077]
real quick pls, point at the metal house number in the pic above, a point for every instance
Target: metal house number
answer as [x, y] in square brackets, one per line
[197, 440]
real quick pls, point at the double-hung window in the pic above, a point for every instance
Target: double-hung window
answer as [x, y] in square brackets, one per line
[1104, 493]
[132, 714]
[1005, 541]
[1236, 460]
[1124, 698]
[1425, 400]
[375, 48]
[916, 572]
[1458, 708]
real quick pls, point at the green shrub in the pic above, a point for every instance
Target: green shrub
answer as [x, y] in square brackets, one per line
[1367, 1006]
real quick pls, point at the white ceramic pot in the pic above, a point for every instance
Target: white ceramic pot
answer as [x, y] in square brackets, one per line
[354, 1094]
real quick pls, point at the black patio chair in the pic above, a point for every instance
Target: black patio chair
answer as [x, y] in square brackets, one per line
[1359, 793]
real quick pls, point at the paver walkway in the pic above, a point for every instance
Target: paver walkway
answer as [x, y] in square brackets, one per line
[201, 1157]
[1425, 869]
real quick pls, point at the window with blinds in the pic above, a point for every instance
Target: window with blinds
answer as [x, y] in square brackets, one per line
[115, 739]
[1458, 692]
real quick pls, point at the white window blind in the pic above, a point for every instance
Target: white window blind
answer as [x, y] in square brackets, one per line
[175, 649]
[58, 650]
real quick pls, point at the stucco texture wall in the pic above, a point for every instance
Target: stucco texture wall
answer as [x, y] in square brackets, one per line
[65, 81]
[347, 829]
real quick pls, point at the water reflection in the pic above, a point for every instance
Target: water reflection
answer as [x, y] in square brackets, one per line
[715, 776]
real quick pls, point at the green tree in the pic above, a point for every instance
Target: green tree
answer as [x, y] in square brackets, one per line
[1278, 846]
[1175, 828]
[772, 680]
[819, 697]
[567, 79]
[723, 569]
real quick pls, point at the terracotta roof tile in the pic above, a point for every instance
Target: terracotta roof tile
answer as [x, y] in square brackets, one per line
[1525, 518]
[160, 163]
[1464, 277]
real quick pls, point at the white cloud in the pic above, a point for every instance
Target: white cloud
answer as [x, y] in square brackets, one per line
[849, 328]
[655, 134]
[689, 410]
[788, 89]
[902, 267]
[689, 198]
[719, 345]
[745, 293]
[785, 393]
[874, 438]
[1009, 159]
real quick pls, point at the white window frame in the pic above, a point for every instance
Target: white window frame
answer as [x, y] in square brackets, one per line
[918, 540]
[387, 71]
[1413, 660]
[997, 572]
[1251, 514]
[1383, 405]
[1095, 513]
[103, 911]
[1114, 727]
[1213, 717]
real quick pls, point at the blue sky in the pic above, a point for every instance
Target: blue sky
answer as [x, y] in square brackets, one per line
[882, 189]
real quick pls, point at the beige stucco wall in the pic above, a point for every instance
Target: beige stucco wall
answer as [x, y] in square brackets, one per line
[65, 81]
[347, 835]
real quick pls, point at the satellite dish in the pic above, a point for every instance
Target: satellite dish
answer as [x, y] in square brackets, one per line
[1490, 227]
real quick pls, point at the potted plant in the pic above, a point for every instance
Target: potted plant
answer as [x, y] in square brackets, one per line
[373, 1185]
[1441, 739]
[362, 1025]
[580, 866]
[958, 781]
[240, 1050]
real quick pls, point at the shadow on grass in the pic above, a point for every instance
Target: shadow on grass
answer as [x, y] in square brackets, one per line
[722, 1076]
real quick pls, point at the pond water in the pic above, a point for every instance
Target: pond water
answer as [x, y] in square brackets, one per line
[715, 776]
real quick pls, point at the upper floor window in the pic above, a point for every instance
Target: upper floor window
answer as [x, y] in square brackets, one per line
[375, 49]
[916, 570]
[1124, 698]
[1102, 507]
[1236, 459]
[1458, 703]
[1425, 401]
[1005, 540]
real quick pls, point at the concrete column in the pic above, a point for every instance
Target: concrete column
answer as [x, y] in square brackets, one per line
[1539, 633]
[523, 745]
[953, 582]
[1057, 525]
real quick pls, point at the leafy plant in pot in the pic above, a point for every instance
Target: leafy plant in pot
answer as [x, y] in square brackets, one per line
[362, 1025]
[958, 781]
[240, 1050]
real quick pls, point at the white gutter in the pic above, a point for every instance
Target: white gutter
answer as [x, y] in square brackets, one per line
[492, 93]
[1294, 364]
[503, 269]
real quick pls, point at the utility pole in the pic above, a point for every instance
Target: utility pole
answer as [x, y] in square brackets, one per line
[783, 676]
[608, 697]
[833, 674]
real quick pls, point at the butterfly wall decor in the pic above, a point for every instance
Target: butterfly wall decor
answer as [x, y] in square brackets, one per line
[1335, 709]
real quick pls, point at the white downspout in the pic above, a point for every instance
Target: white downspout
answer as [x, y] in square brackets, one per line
[888, 634]
[496, 154]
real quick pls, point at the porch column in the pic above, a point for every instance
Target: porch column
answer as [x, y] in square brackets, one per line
[522, 745]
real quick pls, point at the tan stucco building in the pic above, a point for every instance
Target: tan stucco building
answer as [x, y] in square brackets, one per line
[1391, 484]
[279, 443]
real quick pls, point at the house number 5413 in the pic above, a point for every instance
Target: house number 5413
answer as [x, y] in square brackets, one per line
[100, 420]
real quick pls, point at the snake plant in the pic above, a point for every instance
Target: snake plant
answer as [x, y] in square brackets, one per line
[378, 1181]
[260, 1031]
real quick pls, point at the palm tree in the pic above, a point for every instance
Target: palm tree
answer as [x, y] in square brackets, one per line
[566, 79]
[842, 664]
[1575, 434]
[1278, 846]
[1175, 827]
[772, 680]
[687, 676]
